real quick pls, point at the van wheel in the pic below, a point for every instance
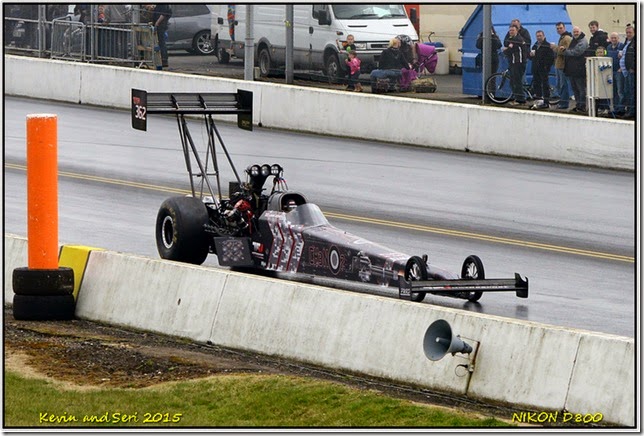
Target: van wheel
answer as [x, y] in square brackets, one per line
[223, 55]
[264, 61]
[201, 43]
[332, 67]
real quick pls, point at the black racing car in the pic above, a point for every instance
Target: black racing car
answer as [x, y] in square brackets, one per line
[281, 231]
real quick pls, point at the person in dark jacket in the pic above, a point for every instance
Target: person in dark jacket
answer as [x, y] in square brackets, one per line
[495, 45]
[597, 47]
[575, 67]
[542, 59]
[598, 40]
[513, 50]
[523, 33]
[627, 62]
[160, 18]
[613, 50]
[392, 58]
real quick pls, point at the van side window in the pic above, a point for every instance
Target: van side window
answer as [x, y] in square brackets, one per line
[316, 9]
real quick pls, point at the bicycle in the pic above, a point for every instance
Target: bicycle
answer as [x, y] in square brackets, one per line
[498, 89]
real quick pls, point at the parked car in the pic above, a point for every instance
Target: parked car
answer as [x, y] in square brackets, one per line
[189, 28]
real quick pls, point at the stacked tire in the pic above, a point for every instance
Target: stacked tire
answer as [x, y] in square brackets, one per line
[43, 294]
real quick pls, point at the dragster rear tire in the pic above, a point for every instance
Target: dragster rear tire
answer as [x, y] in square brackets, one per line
[473, 269]
[180, 233]
[416, 270]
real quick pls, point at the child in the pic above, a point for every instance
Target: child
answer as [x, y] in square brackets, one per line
[354, 72]
[348, 45]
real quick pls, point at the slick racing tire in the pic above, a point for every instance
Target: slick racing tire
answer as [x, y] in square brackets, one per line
[473, 269]
[416, 270]
[43, 307]
[27, 281]
[180, 231]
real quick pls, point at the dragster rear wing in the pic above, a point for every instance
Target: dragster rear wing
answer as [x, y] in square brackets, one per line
[239, 103]
[517, 284]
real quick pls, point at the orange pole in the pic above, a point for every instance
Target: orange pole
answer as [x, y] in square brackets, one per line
[42, 191]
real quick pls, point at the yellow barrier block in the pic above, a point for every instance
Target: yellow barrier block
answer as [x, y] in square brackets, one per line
[75, 257]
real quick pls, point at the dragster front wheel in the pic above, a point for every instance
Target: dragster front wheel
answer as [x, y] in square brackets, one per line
[180, 231]
[473, 269]
[416, 270]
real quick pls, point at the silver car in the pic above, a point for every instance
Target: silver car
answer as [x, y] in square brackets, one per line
[189, 28]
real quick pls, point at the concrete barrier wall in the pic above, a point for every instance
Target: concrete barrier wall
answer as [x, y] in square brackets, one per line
[522, 363]
[557, 137]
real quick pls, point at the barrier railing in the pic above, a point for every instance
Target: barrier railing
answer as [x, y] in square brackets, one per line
[115, 43]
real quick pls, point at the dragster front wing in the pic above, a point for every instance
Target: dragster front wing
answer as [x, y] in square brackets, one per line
[517, 284]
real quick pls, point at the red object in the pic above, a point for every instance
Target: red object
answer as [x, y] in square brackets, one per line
[42, 191]
[416, 24]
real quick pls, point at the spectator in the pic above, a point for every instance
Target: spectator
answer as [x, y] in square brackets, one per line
[390, 66]
[495, 45]
[575, 67]
[542, 59]
[527, 39]
[160, 18]
[613, 50]
[597, 47]
[513, 50]
[598, 40]
[354, 72]
[392, 58]
[563, 83]
[627, 64]
[346, 47]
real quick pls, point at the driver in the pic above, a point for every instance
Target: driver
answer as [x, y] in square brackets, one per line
[291, 205]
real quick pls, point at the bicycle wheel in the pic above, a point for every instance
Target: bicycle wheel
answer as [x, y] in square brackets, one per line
[554, 92]
[497, 88]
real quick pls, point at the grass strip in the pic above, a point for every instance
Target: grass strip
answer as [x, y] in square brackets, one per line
[232, 401]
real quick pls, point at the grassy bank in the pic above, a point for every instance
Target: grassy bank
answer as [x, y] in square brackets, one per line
[223, 401]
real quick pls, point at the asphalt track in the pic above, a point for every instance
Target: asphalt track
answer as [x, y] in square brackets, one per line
[570, 230]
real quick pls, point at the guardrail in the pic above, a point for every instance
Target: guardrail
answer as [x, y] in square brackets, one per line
[66, 39]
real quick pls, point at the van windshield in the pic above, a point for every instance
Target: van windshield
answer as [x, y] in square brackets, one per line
[368, 12]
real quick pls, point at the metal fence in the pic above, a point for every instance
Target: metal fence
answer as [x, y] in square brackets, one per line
[67, 39]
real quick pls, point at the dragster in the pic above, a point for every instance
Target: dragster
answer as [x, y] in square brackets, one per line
[281, 230]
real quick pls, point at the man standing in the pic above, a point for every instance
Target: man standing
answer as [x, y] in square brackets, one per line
[160, 18]
[627, 68]
[563, 83]
[597, 47]
[613, 50]
[513, 50]
[527, 41]
[575, 67]
[542, 59]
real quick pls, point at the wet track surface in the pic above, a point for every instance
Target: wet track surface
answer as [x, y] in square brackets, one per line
[570, 230]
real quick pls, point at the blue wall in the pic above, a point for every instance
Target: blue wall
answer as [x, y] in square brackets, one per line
[533, 17]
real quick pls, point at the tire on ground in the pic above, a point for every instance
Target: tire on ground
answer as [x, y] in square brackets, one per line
[43, 307]
[180, 234]
[27, 281]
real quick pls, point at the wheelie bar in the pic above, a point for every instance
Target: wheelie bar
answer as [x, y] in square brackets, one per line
[517, 284]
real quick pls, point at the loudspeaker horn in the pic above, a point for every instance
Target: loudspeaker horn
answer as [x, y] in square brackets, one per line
[439, 341]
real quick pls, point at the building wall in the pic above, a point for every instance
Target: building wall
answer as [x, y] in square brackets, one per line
[447, 20]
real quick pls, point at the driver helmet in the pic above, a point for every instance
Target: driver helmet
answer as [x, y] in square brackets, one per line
[291, 205]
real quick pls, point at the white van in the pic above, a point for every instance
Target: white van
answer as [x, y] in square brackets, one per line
[315, 31]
